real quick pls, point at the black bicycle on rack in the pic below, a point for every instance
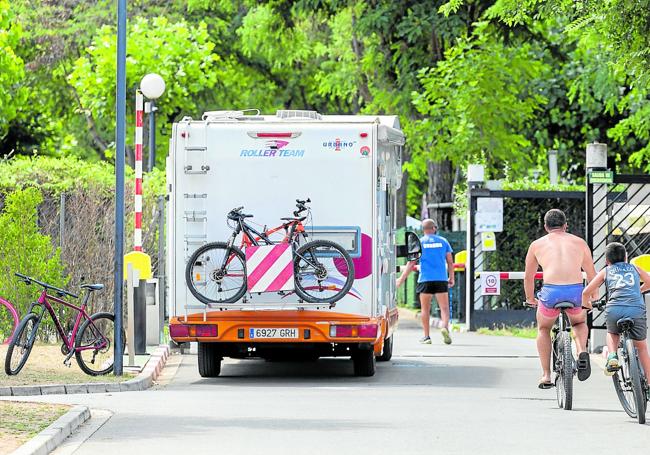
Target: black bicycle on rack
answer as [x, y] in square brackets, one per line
[323, 271]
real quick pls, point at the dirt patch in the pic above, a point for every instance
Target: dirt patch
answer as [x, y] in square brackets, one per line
[45, 366]
[22, 421]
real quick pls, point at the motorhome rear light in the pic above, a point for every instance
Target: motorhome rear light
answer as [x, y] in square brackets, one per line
[179, 330]
[354, 331]
[363, 134]
[343, 331]
[368, 331]
[206, 330]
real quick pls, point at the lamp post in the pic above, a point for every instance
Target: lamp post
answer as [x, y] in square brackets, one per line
[152, 86]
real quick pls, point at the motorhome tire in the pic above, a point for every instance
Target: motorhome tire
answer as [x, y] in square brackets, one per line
[220, 249]
[209, 360]
[364, 363]
[387, 353]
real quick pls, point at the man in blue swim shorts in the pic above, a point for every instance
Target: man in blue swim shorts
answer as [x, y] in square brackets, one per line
[563, 257]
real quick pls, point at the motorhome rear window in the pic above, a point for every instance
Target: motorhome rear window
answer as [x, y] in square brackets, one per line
[349, 237]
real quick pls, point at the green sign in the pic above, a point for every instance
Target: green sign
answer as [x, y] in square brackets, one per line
[601, 177]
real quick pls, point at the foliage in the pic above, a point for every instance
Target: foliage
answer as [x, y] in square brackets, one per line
[24, 249]
[500, 81]
[12, 72]
[188, 69]
[478, 102]
[510, 331]
[56, 175]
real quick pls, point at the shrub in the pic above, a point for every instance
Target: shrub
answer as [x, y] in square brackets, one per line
[24, 249]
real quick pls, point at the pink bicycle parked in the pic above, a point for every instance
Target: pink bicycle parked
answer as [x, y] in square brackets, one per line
[90, 340]
[9, 320]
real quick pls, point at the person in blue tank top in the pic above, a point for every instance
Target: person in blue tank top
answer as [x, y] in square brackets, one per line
[624, 300]
[436, 276]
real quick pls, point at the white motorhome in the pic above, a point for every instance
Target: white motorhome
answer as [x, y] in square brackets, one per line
[350, 168]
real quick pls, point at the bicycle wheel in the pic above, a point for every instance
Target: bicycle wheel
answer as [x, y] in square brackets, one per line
[94, 344]
[637, 385]
[208, 281]
[21, 344]
[8, 321]
[623, 384]
[564, 380]
[323, 272]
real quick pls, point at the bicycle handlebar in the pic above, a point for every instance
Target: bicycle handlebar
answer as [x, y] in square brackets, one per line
[301, 206]
[29, 280]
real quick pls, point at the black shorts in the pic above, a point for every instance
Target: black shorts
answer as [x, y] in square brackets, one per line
[432, 287]
[638, 332]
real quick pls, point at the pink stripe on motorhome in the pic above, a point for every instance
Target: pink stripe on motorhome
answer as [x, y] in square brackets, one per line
[266, 263]
[281, 279]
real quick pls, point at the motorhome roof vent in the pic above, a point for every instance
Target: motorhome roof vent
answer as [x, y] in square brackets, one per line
[231, 115]
[298, 115]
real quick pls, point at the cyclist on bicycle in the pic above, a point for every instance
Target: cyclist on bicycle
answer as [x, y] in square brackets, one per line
[563, 257]
[624, 300]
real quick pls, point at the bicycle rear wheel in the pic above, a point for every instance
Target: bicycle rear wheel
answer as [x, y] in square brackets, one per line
[564, 370]
[209, 281]
[637, 387]
[623, 384]
[21, 344]
[8, 321]
[95, 343]
[323, 272]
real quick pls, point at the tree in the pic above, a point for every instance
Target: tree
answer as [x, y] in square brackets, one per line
[12, 70]
[182, 54]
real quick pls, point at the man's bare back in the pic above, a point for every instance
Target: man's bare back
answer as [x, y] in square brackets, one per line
[562, 256]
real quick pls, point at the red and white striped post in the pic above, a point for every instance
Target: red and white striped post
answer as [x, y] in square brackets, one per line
[139, 108]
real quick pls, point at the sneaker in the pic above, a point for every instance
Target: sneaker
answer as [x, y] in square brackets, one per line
[612, 365]
[425, 340]
[445, 336]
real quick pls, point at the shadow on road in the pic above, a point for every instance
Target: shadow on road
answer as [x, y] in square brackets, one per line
[338, 372]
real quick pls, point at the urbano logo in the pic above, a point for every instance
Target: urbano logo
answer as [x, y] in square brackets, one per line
[337, 144]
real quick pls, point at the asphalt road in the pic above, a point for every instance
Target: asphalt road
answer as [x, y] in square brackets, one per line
[476, 396]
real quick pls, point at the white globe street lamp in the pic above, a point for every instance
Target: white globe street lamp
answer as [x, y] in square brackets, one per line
[152, 86]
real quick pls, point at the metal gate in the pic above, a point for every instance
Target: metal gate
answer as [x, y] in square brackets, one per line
[522, 222]
[618, 210]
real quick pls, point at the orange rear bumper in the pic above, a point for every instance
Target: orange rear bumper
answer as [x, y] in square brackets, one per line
[313, 326]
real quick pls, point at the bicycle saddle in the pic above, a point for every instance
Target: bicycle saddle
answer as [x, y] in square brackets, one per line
[92, 287]
[563, 306]
[625, 324]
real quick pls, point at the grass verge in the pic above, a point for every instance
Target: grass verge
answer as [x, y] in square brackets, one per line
[508, 331]
[22, 421]
[45, 366]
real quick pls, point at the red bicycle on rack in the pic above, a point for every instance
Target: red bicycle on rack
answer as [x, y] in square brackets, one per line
[323, 270]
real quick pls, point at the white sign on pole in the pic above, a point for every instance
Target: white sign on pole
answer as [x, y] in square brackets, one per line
[489, 214]
[490, 283]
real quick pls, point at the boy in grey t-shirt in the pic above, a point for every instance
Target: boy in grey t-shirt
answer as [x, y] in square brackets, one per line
[624, 300]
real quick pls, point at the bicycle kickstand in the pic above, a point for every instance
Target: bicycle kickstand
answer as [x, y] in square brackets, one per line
[66, 361]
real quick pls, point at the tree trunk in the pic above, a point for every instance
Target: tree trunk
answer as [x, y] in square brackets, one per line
[440, 190]
[401, 211]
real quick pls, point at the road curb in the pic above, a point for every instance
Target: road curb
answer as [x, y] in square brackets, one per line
[51, 437]
[142, 381]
